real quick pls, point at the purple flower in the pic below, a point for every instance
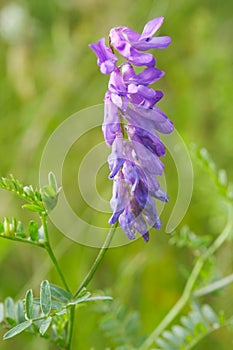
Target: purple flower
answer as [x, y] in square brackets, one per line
[120, 197]
[129, 43]
[116, 158]
[111, 125]
[131, 125]
[106, 59]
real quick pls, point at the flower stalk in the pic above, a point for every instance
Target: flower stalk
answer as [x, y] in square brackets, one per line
[190, 284]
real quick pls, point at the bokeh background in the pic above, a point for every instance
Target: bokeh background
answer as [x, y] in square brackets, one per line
[47, 73]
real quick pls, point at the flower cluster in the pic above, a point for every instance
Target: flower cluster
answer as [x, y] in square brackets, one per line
[131, 125]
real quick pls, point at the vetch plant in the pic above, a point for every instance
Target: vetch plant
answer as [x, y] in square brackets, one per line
[132, 123]
[136, 147]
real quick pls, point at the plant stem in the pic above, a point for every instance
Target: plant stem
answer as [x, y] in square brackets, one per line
[22, 240]
[189, 285]
[212, 287]
[86, 280]
[70, 326]
[98, 260]
[51, 254]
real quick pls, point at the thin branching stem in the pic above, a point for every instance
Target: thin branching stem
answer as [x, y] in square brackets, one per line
[21, 240]
[71, 311]
[51, 254]
[86, 281]
[188, 289]
[98, 260]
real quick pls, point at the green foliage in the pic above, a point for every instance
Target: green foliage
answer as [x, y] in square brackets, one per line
[28, 193]
[17, 329]
[50, 193]
[29, 305]
[186, 238]
[218, 176]
[120, 326]
[15, 230]
[200, 322]
[45, 297]
[38, 200]
[37, 315]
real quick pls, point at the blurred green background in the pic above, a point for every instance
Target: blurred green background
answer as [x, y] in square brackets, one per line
[47, 73]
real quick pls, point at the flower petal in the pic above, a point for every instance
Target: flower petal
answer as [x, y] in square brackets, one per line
[111, 124]
[120, 198]
[116, 158]
[105, 58]
[148, 76]
[160, 42]
[151, 27]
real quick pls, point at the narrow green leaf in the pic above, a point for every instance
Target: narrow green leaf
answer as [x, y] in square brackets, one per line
[179, 331]
[36, 310]
[19, 310]
[13, 224]
[45, 325]
[171, 337]
[187, 322]
[55, 305]
[29, 304]
[6, 225]
[53, 181]
[60, 293]
[45, 297]
[33, 230]
[20, 230]
[32, 207]
[17, 329]
[22, 235]
[1, 227]
[164, 345]
[99, 298]
[19, 227]
[29, 191]
[41, 235]
[62, 312]
[49, 197]
[210, 315]
[9, 310]
[1, 312]
[80, 299]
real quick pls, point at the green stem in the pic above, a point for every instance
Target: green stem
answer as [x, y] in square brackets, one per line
[98, 260]
[51, 254]
[86, 280]
[212, 287]
[14, 238]
[70, 326]
[175, 310]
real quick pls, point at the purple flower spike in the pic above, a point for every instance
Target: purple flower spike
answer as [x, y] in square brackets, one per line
[106, 59]
[131, 125]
